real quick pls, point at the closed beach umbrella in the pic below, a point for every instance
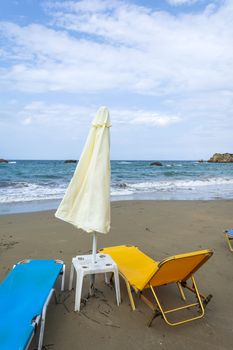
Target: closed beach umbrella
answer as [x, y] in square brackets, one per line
[86, 203]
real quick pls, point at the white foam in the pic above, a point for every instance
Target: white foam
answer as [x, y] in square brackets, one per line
[30, 193]
[175, 184]
[121, 192]
[34, 192]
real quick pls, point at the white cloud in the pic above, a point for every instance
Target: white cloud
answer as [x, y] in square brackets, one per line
[151, 67]
[157, 120]
[120, 46]
[91, 6]
[181, 2]
[143, 117]
[70, 116]
[53, 115]
[27, 121]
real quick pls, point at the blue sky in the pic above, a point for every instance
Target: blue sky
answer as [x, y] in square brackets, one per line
[163, 68]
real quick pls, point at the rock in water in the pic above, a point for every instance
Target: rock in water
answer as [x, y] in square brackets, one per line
[70, 161]
[221, 158]
[156, 163]
[3, 161]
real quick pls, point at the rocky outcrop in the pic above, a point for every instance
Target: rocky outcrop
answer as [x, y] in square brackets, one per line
[221, 158]
[3, 161]
[70, 161]
[156, 163]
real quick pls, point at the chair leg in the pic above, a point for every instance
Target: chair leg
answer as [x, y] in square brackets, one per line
[198, 296]
[181, 291]
[160, 308]
[63, 278]
[42, 324]
[228, 242]
[163, 312]
[130, 295]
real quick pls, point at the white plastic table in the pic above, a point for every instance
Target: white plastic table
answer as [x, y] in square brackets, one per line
[84, 265]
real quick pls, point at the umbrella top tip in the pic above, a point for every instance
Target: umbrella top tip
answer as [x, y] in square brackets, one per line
[102, 117]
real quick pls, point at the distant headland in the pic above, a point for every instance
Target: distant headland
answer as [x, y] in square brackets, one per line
[221, 158]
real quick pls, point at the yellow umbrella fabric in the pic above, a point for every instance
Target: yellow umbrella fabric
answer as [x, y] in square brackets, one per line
[86, 203]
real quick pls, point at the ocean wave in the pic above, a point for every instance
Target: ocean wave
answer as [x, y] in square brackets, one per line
[119, 192]
[31, 192]
[178, 184]
[14, 184]
[15, 192]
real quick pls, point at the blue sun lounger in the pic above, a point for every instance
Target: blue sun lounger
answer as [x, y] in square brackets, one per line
[229, 238]
[24, 296]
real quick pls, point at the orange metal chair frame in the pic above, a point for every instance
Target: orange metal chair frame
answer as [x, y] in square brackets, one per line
[176, 269]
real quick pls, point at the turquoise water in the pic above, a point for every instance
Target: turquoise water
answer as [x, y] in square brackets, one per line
[34, 185]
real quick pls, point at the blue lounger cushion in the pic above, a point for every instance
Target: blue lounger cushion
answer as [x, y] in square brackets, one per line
[229, 233]
[23, 294]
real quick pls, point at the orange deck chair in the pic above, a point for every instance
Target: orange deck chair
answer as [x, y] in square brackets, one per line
[141, 273]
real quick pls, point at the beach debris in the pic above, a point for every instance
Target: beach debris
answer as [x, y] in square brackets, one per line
[5, 245]
[221, 158]
[156, 163]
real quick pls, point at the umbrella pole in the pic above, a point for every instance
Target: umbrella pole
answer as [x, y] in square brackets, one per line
[92, 277]
[94, 247]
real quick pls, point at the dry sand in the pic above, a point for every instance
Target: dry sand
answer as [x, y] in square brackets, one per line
[160, 229]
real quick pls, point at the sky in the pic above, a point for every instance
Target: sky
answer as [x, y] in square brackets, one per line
[163, 68]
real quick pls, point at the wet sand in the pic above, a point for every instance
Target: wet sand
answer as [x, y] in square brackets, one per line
[160, 229]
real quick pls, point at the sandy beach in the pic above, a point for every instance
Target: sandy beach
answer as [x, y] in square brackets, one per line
[160, 229]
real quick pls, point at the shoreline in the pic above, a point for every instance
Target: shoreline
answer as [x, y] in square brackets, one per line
[158, 228]
[50, 205]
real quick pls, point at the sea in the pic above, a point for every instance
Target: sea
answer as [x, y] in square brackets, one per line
[33, 185]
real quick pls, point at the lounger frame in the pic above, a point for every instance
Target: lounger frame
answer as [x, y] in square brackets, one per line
[228, 239]
[39, 320]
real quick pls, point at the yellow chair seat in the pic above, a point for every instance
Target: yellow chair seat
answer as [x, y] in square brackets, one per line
[134, 265]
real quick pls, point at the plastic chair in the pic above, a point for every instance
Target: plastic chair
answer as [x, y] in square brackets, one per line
[142, 273]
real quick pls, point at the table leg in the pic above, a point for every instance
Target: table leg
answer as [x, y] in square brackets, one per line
[107, 280]
[71, 276]
[92, 285]
[78, 292]
[117, 285]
